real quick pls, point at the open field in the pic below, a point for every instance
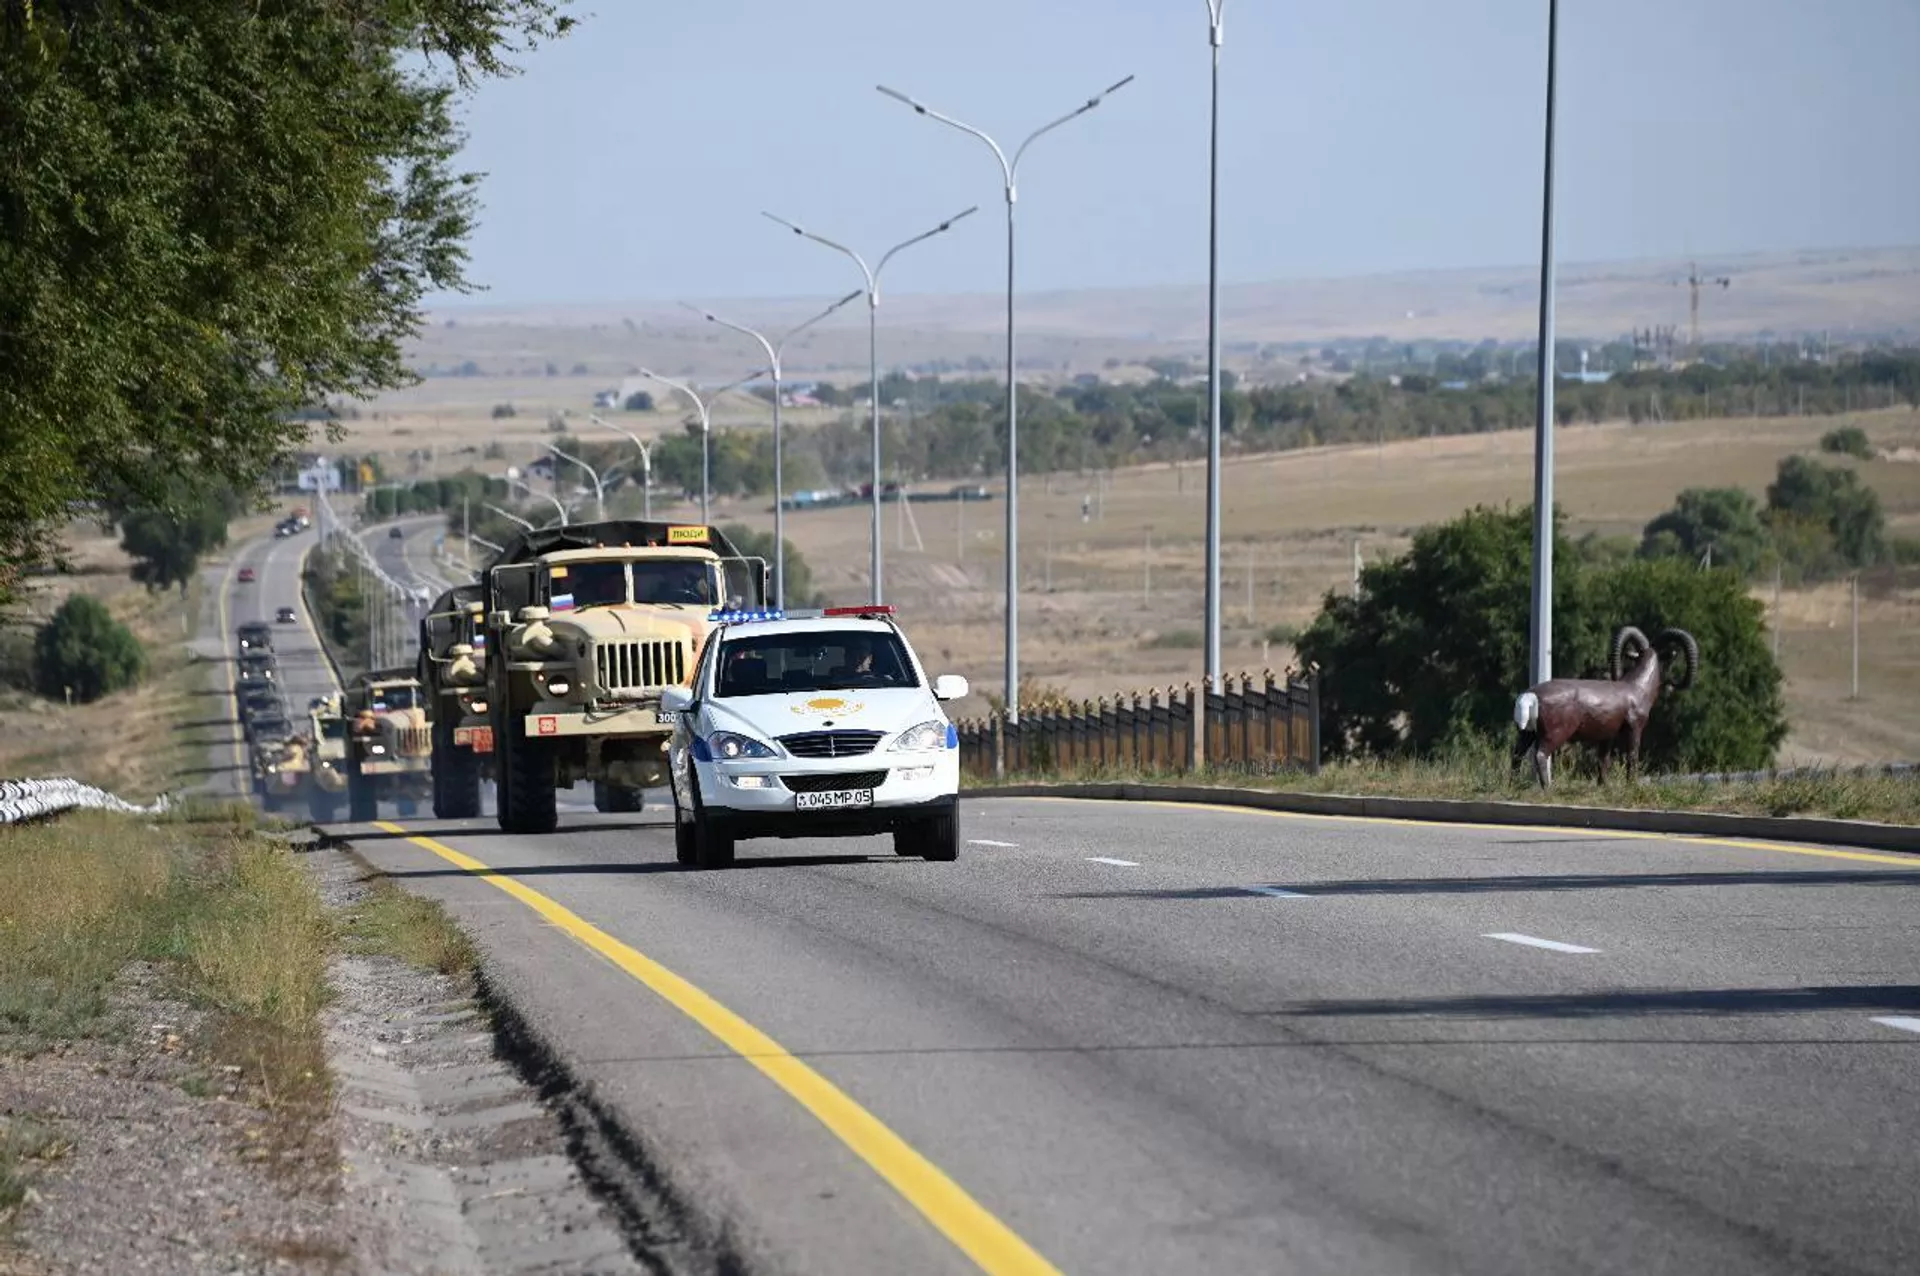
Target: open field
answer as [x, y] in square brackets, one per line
[1125, 604]
[1063, 333]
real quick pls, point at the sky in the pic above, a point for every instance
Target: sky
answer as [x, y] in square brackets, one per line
[632, 160]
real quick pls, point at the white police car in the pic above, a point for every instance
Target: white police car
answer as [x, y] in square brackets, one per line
[812, 724]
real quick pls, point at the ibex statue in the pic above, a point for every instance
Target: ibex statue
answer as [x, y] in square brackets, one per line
[1607, 715]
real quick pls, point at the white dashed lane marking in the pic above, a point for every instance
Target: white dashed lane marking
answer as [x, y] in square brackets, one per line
[1103, 859]
[1902, 1022]
[1273, 892]
[985, 841]
[1534, 941]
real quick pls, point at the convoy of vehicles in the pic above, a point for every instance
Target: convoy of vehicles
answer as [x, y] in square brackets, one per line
[813, 724]
[585, 627]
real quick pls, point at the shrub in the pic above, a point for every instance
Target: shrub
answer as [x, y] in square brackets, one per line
[1848, 440]
[1175, 640]
[1283, 634]
[501, 411]
[638, 401]
[1435, 648]
[84, 648]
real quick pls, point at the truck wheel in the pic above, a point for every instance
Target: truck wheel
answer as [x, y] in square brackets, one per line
[363, 800]
[618, 799]
[456, 777]
[530, 784]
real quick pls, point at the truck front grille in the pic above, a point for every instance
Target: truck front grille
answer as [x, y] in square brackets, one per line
[628, 668]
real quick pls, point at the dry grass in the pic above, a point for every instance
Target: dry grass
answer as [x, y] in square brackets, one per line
[393, 923]
[231, 917]
[26, 1147]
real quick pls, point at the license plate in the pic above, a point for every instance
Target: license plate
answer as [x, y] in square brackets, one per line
[836, 801]
[480, 739]
[666, 717]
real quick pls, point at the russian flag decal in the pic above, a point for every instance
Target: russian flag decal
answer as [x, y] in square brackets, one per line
[563, 602]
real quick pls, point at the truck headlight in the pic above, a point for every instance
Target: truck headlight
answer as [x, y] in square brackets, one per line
[376, 748]
[727, 746]
[921, 739]
[559, 686]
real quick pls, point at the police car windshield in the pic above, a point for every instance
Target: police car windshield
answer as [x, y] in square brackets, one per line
[779, 664]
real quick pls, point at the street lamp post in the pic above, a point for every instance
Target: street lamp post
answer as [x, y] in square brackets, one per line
[531, 491]
[646, 465]
[1009, 170]
[774, 350]
[1216, 37]
[705, 408]
[1542, 626]
[872, 276]
[507, 514]
[599, 491]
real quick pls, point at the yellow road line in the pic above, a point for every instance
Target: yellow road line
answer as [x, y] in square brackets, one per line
[991, 1244]
[1687, 839]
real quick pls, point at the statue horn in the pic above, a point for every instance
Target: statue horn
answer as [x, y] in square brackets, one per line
[1692, 650]
[1626, 635]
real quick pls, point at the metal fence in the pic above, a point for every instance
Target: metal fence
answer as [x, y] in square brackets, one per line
[25, 800]
[1259, 723]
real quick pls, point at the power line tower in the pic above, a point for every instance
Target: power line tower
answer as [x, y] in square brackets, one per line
[1695, 283]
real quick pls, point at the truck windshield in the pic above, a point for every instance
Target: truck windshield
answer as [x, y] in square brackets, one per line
[577, 585]
[777, 664]
[688, 583]
[393, 698]
[333, 729]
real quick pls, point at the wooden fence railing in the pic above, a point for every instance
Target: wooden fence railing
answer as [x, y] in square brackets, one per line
[1262, 724]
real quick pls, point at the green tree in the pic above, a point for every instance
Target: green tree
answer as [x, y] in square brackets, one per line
[167, 542]
[1835, 498]
[214, 216]
[84, 648]
[1723, 519]
[1848, 440]
[1435, 646]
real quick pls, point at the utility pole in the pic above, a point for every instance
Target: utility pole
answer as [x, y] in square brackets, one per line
[1856, 637]
[1541, 622]
[1776, 613]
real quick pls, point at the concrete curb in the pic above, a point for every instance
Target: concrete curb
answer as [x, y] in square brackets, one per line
[1791, 828]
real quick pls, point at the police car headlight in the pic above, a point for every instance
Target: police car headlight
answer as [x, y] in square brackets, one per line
[727, 746]
[921, 739]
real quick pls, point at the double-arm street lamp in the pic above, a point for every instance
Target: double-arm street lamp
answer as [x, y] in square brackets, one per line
[507, 514]
[703, 406]
[529, 489]
[872, 276]
[1216, 36]
[774, 349]
[646, 464]
[1009, 170]
[599, 491]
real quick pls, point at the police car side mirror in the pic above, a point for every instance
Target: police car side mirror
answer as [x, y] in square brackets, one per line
[949, 686]
[676, 699]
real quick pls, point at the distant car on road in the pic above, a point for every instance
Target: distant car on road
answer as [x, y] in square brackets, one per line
[395, 534]
[248, 576]
[286, 616]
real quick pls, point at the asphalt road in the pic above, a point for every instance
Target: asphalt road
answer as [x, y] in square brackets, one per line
[1136, 1038]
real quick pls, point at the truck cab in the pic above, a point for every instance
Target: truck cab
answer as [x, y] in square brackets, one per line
[389, 745]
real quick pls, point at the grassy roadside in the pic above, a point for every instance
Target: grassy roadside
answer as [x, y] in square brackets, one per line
[227, 922]
[1477, 777]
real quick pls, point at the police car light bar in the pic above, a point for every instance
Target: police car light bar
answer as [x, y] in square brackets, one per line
[749, 615]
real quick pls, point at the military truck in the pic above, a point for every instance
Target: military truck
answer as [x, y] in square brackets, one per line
[452, 667]
[327, 777]
[255, 636]
[585, 626]
[281, 764]
[389, 745]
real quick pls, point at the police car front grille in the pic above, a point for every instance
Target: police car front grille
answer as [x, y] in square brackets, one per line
[831, 744]
[834, 783]
[626, 667]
